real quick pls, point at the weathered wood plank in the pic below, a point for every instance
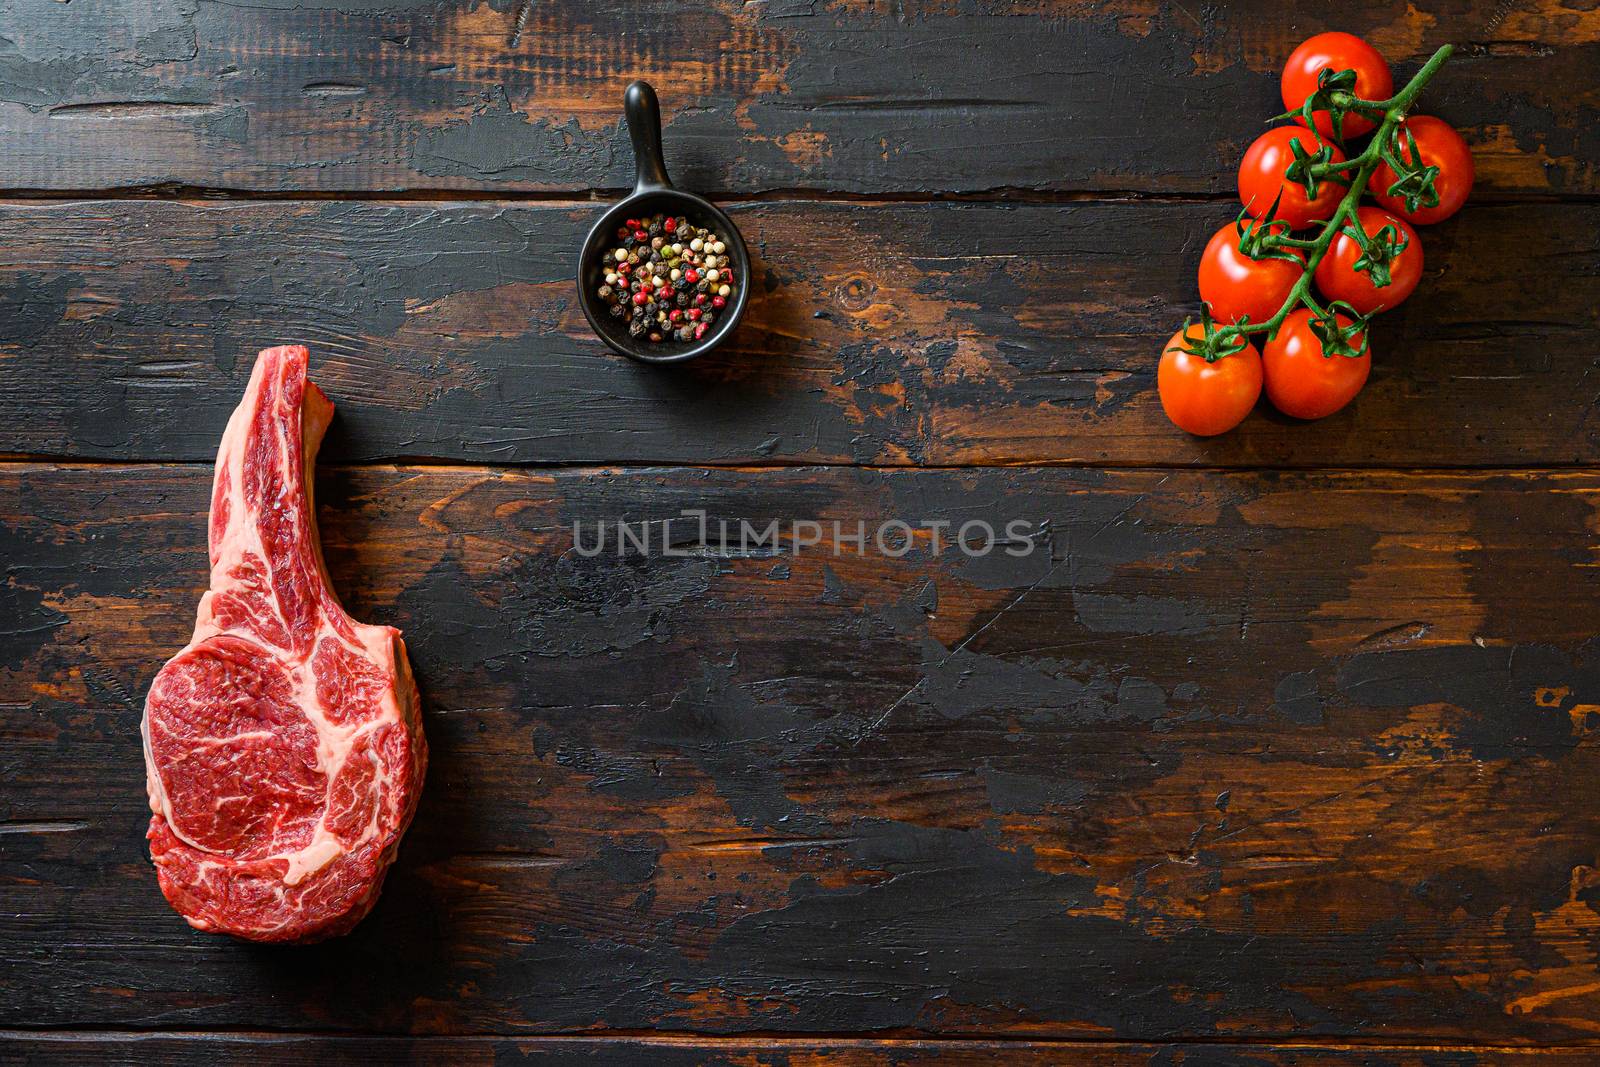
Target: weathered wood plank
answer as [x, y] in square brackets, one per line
[248, 1050]
[1230, 755]
[919, 97]
[893, 334]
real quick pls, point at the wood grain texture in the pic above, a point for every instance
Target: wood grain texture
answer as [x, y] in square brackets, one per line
[1229, 756]
[1247, 761]
[260, 1049]
[920, 334]
[298, 95]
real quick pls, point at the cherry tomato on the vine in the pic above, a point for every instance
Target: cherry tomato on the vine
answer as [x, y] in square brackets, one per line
[1336, 52]
[1261, 178]
[1440, 146]
[1339, 280]
[1204, 398]
[1236, 285]
[1301, 380]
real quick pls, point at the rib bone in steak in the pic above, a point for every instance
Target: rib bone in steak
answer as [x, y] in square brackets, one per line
[283, 746]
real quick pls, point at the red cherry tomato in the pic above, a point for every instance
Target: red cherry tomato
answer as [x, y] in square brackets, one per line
[1440, 146]
[1301, 380]
[1236, 285]
[1339, 280]
[1261, 179]
[1336, 52]
[1203, 398]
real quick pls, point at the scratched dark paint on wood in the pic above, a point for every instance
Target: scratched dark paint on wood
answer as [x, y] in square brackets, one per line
[964, 334]
[258, 1050]
[930, 97]
[1230, 756]
[1244, 764]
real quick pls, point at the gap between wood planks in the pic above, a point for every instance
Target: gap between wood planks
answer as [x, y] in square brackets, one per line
[76, 462]
[780, 1040]
[997, 195]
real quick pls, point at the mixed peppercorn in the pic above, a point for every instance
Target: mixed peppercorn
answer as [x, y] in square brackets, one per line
[668, 278]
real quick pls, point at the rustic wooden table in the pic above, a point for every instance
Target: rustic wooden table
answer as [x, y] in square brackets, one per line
[1282, 749]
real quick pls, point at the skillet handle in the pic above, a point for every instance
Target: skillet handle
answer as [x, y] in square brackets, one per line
[644, 125]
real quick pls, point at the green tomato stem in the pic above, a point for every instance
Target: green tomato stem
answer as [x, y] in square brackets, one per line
[1394, 110]
[1322, 170]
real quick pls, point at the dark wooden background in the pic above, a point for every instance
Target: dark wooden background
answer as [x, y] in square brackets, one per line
[1283, 749]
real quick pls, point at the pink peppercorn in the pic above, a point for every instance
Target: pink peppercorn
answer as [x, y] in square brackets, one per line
[641, 297]
[719, 302]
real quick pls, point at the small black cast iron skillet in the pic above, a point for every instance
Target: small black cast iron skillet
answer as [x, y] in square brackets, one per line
[653, 193]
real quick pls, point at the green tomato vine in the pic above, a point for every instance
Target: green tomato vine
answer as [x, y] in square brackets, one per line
[1269, 238]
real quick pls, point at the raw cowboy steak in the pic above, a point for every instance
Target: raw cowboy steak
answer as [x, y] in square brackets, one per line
[283, 746]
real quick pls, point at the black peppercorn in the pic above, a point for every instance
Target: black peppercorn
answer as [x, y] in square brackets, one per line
[617, 311]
